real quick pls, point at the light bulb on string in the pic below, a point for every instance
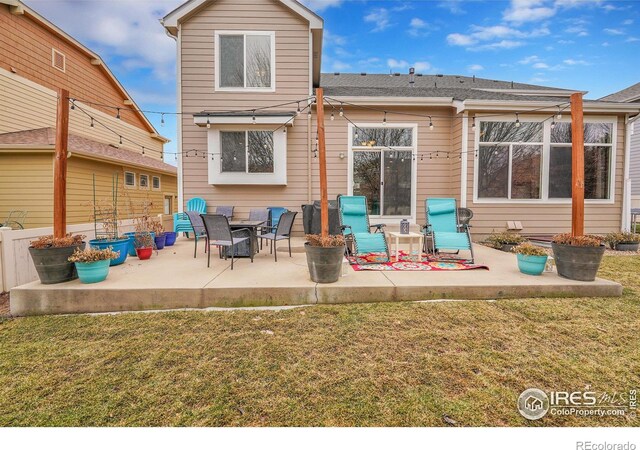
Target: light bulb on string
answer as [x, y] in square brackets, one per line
[73, 104]
[91, 124]
[341, 111]
[517, 121]
[384, 119]
[430, 123]
[559, 115]
[253, 118]
[117, 113]
[298, 110]
[143, 150]
[553, 124]
[208, 123]
[120, 140]
[162, 120]
[473, 123]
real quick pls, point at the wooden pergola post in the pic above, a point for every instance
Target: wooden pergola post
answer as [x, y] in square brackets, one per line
[577, 165]
[322, 156]
[60, 166]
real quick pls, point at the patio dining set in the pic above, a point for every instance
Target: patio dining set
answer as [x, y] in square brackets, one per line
[446, 231]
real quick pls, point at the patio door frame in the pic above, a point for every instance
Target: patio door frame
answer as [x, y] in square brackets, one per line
[414, 166]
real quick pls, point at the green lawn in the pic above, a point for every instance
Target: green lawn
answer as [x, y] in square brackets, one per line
[371, 365]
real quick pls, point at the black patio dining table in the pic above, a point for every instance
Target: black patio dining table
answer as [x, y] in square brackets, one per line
[243, 249]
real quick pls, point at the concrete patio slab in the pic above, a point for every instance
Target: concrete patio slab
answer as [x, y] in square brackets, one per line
[174, 279]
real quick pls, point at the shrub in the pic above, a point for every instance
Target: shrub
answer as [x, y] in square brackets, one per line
[316, 240]
[51, 242]
[505, 237]
[529, 249]
[93, 255]
[588, 240]
[625, 237]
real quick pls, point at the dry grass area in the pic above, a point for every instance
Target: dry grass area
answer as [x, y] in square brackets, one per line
[4, 304]
[409, 364]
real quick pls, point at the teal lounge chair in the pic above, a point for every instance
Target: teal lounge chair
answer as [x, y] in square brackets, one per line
[354, 221]
[181, 223]
[444, 228]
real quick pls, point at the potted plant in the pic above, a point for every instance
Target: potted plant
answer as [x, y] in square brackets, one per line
[505, 240]
[531, 258]
[143, 242]
[159, 236]
[140, 212]
[50, 256]
[578, 257]
[623, 241]
[107, 214]
[93, 264]
[324, 257]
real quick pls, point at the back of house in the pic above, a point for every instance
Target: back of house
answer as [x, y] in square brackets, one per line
[247, 73]
[108, 134]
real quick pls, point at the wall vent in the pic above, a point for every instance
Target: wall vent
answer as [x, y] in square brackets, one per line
[58, 60]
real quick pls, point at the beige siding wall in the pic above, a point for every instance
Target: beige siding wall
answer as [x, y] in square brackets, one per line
[634, 168]
[26, 105]
[546, 218]
[292, 37]
[26, 183]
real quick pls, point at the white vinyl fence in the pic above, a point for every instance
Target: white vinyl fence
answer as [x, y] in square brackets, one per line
[16, 267]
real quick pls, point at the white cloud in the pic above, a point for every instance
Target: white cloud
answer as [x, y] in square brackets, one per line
[380, 18]
[127, 30]
[321, 5]
[529, 59]
[453, 6]
[540, 65]
[613, 31]
[565, 42]
[628, 22]
[475, 68]
[397, 64]
[422, 66]
[506, 37]
[521, 11]
[417, 23]
[575, 62]
[340, 66]
[329, 38]
[460, 39]
[632, 39]
[369, 61]
[500, 45]
[418, 27]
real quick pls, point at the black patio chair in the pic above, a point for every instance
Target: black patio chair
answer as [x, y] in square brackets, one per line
[219, 233]
[199, 231]
[283, 231]
[260, 215]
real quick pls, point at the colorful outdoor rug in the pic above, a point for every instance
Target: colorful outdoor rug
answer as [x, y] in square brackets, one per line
[426, 263]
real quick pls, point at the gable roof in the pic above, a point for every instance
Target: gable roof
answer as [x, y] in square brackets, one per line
[46, 138]
[17, 7]
[630, 94]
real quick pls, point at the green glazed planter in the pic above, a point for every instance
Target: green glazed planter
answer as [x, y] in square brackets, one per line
[531, 265]
[93, 272]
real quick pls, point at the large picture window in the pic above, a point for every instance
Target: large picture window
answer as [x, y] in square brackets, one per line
[533, 161]
[245, 60]
[509, 160]
[246, 151]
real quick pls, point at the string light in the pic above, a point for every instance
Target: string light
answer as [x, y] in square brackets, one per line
[553, 124]
[120, 140]
[162, 120]
[73, 104]
[117, 113]
[517, 121]
[143, 150]
[559, 115]
[332, 115]
[341, 111]
[384, 120]
[430, 123]
[253, 119]
[473, 123]
[298, 111]
[91, 124]
[208, 123]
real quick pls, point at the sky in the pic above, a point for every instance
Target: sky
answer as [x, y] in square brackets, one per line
[591, 45]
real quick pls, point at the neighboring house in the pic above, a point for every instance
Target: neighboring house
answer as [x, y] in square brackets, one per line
[36, 58]
[457, 136]
[631, 95]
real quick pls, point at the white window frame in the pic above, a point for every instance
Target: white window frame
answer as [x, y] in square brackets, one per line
[217, 176]
[156, 177]
[129, 186]
[414, 164]
[147, 187]
[546, 150]
[245, 33]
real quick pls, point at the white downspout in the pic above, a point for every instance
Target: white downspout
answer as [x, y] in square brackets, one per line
[179, 118]
[465, 162]
[626, 196]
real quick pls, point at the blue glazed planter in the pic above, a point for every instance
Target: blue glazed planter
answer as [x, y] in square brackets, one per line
[93, 272]
[118, 245]
[160, 241]
[170, 237]
[531, 265]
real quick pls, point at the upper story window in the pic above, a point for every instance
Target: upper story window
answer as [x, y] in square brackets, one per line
[144, 181]
[129, 179]
[155, 183]
[245, 60]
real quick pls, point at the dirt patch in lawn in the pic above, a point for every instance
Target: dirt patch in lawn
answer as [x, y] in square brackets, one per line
[4, 304]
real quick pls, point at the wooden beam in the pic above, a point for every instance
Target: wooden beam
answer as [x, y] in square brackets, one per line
[322, 156]
[577, 165]
[60, 166]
